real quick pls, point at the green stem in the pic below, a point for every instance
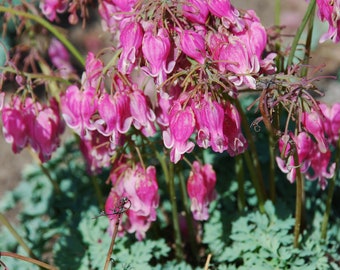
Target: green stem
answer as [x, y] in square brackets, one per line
[277, 12]
[170, 180]
[272, 191]
[54, 31]
[309, 12]
[298, 204]
[189, 218]
[26, 259]
[241, 199]
[253, 161]
[15, 234]
[98, 191]
[174, 211]
[330, 194]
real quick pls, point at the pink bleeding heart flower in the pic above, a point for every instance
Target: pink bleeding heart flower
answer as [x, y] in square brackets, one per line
[44, 129]
[142, 114]
[303, 144]
[15, 128]
[193, 45]
[131, 38]
[156, 49]
[209, 120]
[50, 8]
[60, 58]
[313, 123]
[329, 11]
[320, 167]
[93, 77]
[332, 123]
[201, 189]
[140, 186]
[77, 109]
[232, 129]
[181, 126]
[115, 115]
[196, 11]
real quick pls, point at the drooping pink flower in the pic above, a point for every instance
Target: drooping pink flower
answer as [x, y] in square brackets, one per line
[98, 150]
[196, 11]
[142, 114]
[15, 124]
[107, 11]
[320, 169]
[60, 58]
[32, 123]
[156, 49]
[232, 129]
[193, 45]
[229, 14]
[332, 121]
[140, 186]
[330, 11]
[115, 115]
[50, 8]
[93, 77]
[313, 123]
[209, 120]
[181, 126]
[77, 109]
[131, 38]
[303, 144]
[201, 189]
[44, 129]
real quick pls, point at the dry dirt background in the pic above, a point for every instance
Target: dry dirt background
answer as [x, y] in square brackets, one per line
[11, 164]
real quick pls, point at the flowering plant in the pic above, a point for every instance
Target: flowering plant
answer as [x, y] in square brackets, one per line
[165, 90]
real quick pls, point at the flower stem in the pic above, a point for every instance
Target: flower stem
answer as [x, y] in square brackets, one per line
[189, 219]
[272, 191]
[54, 31]
[174, 211]
[306, 18]
[241, 200]
[277, 12]
[113, 239]
[330, 194]
[298, 204]
[170, 180]
[27, 259]
[15, 234]
[253, 160]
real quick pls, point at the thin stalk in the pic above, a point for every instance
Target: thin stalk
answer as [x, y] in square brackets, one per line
[330, 194]
[113, 239]
[308, 43]
[308, 14]
[27, 259]
[15, 234]
[46, 172]
[174, 211]
[54, 31]
[298, 204]
[277, 12]
[98, 191]
[241, 199]
[170, 180]
[253, 161]
[272, 191]
[253, 177]
[189, 218]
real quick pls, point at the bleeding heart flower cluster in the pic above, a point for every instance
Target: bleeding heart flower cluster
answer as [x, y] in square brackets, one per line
[139, 185]
[322, 128]
[30, 123]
